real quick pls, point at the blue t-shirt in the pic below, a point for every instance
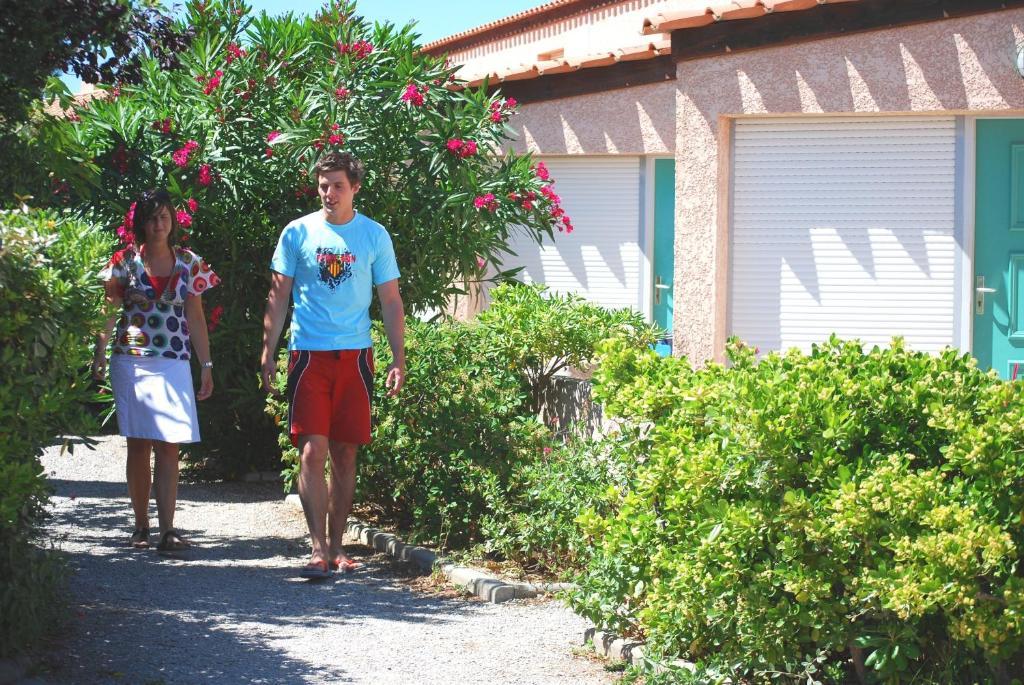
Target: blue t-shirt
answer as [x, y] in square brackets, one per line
[334, 267]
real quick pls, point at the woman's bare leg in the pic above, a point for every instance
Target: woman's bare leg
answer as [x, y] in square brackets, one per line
[139, 477]
[166, 479]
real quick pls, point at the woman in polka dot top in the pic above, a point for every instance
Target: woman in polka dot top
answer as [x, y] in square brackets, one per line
[154, 291]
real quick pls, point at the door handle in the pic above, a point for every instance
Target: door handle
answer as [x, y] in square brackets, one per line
[979, 295]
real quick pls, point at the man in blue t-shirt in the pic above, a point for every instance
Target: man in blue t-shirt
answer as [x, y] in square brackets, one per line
[329, 262]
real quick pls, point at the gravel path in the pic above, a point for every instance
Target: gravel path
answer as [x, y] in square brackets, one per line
[235, 612]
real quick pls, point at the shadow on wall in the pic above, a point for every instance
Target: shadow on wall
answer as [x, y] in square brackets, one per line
[569, 409]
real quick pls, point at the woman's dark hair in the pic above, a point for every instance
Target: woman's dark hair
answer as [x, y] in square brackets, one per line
[341, 161]
[147, 205]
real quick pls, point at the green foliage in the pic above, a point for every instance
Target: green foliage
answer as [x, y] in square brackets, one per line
[49, 305]
[458, 429]
[534, 521]
[837, 502]
[263, 98]
[542, 333]
[462, 442]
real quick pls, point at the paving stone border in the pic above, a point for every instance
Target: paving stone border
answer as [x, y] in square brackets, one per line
[615, 648]
[483, 584]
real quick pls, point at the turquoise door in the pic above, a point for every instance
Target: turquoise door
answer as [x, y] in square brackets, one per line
[664, 242]
[998, 296]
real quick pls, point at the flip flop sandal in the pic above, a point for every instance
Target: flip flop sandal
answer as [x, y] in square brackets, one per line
[315, 570]
[345, 567]
[172, 542]
[140, 538]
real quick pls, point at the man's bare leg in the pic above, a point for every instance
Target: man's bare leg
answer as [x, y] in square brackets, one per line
[313, 492]
[342, 489]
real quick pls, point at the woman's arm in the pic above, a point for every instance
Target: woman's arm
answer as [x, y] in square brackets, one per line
[111, 306]
[200, 343]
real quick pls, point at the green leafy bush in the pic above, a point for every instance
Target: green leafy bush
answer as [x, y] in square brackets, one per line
[541, 332]
[234, 135]
[49, 306]
[533, 521]
[459, 427]
[455, 444]
[837, 504]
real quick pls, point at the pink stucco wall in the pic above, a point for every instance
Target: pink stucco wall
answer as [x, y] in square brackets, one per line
[953, 66]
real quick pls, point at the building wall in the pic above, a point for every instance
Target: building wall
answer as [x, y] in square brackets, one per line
[954, 66]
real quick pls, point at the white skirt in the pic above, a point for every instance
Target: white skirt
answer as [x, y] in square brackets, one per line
[154, 398]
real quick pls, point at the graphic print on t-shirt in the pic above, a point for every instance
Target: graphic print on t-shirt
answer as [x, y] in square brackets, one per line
[335, 268]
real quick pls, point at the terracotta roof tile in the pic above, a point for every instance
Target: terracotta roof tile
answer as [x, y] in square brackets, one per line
[682, 14]
[689, 14]
[506, 21]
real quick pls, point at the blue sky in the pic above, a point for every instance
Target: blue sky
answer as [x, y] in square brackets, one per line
[434, 18]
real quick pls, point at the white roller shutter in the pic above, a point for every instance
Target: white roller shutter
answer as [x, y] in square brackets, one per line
[843, 225]
[601, 260]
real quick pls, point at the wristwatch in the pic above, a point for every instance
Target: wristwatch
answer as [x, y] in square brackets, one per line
[206, 365]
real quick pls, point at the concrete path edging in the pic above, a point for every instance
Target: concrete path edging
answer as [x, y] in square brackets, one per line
[615, 648]
[484, 585]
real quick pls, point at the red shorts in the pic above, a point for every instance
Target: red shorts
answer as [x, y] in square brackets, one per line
[329, 394]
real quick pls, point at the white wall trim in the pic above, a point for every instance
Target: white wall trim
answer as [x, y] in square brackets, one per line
[965, 254]
[647, 184]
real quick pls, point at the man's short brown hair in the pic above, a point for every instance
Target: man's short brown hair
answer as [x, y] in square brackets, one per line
[341, 161]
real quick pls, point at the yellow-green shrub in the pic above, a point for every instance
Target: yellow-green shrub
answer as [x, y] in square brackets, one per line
[796, 510]
[49, 306]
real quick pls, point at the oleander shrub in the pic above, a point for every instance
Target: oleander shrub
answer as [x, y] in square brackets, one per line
[234, 134]
[805, 514]
[49, 307]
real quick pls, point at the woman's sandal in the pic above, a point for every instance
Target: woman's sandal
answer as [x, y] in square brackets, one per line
[171, 542]
[140, 538]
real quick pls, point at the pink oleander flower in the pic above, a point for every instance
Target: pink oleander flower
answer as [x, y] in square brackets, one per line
[341, 93]
[268, 152]
[497, 117]
[73, 116]
[336, 139]
[468, 148]
[527, 205]
[214, 81]
[125, 235]
[454, 145]
[180, 157]
[480, 263]
[550, 194]
[335, 127]
[273, 135]
[359, 49]
[234, 52]
[215, 315]
[192, 205]
[205, 175]
[488, 202]
[191, 145]
[129, 216]
[413, 96]
[542, 171]
[184, 218]
[510, 103]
